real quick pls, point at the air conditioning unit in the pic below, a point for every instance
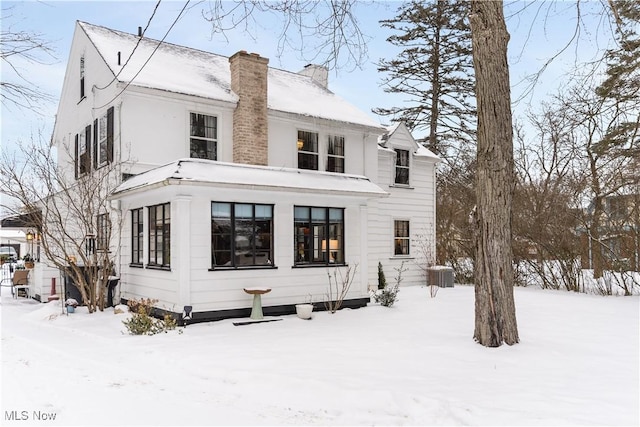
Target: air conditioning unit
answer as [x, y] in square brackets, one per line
[440, 276]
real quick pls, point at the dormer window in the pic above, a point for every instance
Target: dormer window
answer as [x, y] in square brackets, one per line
[204, 137]
[402, 167]
[307, 150]
[335, 151]
[82, 77]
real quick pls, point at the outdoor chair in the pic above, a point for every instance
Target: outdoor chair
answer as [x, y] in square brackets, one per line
[19, 282]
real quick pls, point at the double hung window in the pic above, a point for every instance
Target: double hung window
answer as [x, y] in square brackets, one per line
[401, 239]
[319, 235]
[137, 235]
[402, 167]
[335, 151]
[103, 228]
[81, 77]
[307, 150]
[204, 136]
[241, 235]
[160, 235]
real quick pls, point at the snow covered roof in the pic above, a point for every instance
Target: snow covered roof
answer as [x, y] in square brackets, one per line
[190, 71]
[261, 177]
[420, 150]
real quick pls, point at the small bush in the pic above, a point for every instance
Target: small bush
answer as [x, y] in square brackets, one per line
[387, 296]
[382, 281]
[142, 323]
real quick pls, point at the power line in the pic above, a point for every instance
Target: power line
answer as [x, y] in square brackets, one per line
[115, 78]
[175, 21]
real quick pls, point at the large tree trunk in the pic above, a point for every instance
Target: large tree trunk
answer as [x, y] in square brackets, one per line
[495, 320]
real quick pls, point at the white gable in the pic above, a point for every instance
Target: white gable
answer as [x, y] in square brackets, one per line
[398, 136]
[189, 71]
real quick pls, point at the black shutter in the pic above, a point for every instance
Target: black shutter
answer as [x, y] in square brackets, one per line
[110, 135]
[96, 148]
[75, 158]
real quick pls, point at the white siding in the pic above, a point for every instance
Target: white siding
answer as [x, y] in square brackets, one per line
[415, 203]
[222, 289]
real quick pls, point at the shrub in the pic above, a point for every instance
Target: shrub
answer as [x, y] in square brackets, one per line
[382, 281]
[142, 323]
[387, 296]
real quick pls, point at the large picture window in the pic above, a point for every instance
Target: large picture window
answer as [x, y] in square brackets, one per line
[241, 235]
[160, 235]
[307, 150]
[319, 235]
[401, 239]
[402, 167]
[204, 136]
[137, 235]
[335, 154]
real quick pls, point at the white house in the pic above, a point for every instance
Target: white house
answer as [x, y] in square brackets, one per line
[234, 174]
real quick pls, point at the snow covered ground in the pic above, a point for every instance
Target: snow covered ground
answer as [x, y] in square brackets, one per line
[412, 364]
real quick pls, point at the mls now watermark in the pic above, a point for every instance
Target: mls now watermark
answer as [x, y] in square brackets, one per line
[29, 416]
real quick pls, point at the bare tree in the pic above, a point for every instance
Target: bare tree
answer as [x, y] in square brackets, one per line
[495, 320]
[545, 216]
[73, 217]
[327, 31]
[17, 49]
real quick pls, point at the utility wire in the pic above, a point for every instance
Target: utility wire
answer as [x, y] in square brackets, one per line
[134, 49]
[148, 59]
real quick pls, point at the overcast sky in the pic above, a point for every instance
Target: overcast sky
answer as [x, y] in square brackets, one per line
[529, 48]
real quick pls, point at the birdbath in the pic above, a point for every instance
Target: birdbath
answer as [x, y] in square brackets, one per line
[256, 310]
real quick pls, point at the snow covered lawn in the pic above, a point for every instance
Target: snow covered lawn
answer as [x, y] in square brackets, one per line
[412, 364]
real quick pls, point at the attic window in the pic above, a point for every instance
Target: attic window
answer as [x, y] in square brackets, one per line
[402, 167]
[82, 77]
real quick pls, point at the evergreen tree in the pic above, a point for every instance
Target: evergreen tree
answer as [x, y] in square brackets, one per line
[435, 72]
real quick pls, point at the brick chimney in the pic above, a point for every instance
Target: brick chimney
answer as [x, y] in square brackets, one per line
[249, 82]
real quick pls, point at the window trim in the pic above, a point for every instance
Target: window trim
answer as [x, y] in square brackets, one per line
[137, 255]
[395, 238]
[335, 156]
[341, 253]
[166, 237]
[233, 235]
[214, 140]
[300, 148]
[82, 77]
[397, 166]
[103, 226]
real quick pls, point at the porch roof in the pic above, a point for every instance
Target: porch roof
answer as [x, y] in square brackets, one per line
[20, 221]
[209, 172]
